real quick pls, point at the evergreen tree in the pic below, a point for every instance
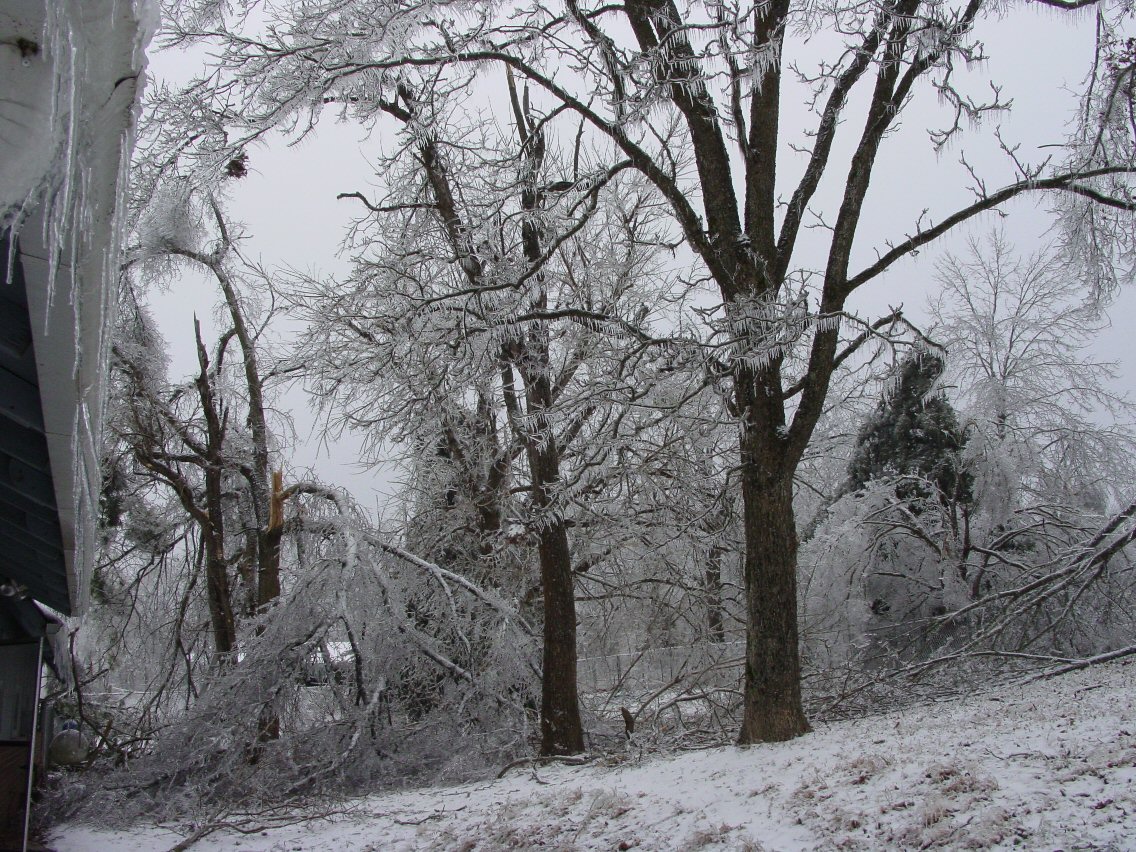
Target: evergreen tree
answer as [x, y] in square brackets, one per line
[914, 433]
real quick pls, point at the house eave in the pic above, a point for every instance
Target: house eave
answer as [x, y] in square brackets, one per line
[61, 186]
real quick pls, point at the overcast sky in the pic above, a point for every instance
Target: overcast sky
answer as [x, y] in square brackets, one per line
[289, 200]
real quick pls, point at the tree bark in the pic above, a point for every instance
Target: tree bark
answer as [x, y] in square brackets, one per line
[561, 729]
[268, 589]
[772, 696]
[268, 577]
[219, 596]
[213, 526]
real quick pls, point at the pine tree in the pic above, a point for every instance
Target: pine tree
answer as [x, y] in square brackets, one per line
[914, 434]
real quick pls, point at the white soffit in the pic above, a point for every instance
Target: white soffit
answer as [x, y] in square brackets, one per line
[72, 73]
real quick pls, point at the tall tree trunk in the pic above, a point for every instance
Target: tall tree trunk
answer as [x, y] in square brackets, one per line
[268, 588]
[268, 577]
[772, 698]
[212, 522]
[561, 729]
[220, 597]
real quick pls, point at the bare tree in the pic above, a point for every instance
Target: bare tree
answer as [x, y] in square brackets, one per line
[488, 323]
[220, 471]
[1018, 331]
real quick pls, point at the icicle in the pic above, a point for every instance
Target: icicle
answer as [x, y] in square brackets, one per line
[90, 53]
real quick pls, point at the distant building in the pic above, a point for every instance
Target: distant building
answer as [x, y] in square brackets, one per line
[70, 78]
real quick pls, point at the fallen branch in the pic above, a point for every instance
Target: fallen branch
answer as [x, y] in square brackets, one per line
[566, 759]
[253, 824]
[428, 817]
[1085, 663]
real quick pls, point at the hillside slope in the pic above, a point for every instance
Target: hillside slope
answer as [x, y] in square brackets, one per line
[1044, 765]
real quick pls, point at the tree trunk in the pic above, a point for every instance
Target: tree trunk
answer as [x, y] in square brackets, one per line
[268, 589]
[219, 596]
[561, 729]
[268, 575]
[772, 698]
[212, 521]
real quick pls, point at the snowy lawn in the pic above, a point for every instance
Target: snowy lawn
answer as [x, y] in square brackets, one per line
[1046, 765]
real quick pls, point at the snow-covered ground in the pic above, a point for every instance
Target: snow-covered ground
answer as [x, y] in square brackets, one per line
[1045, 765]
